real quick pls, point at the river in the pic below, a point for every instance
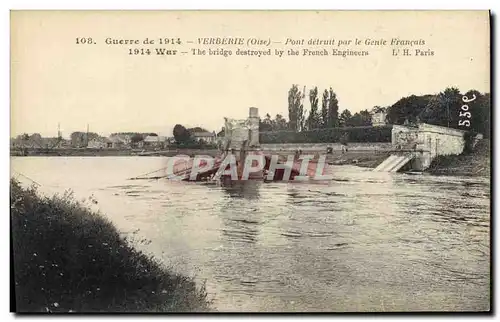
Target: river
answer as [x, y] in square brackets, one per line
[366, 241]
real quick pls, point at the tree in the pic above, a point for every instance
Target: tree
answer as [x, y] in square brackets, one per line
[266, 124]
[344, 118]
[280, 123]
[324, 109]
[301, 115]
[36, 137]
[181, 134]
[479, 109]
[440, 110]
[333, 109]
[361, 118]
[408, 109]
[313, 121]
[136, 138]
[295, 108]
[366, 117]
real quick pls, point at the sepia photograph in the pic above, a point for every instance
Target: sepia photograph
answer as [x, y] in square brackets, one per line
[193, 161]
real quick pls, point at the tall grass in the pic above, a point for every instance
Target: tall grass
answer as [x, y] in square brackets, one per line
[68, 258]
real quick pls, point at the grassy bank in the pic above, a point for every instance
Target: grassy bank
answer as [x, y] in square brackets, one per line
[474, 163]
[360, 159]
[68, 258]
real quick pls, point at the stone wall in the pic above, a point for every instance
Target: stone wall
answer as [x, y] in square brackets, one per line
[429, 140]
[322, 147]
[403, 136]
[441, 140]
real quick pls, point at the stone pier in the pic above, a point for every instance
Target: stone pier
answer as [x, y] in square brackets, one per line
[242, 133]
[426, 142]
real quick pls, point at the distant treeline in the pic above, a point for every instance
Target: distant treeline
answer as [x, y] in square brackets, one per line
[327, 125]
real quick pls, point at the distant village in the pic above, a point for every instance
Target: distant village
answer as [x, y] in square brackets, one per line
[117, 141]
[316, 125]
[198, 137]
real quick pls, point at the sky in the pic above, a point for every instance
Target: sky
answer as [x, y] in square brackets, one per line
[55, 82]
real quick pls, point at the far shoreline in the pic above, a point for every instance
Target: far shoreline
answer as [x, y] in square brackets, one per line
[475, 163]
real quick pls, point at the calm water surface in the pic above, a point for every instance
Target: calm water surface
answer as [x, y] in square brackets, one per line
[364, 242]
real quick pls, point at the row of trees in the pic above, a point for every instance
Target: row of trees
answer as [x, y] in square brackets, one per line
[441, 109]
[445, 109]
[299, 119]
[448, 108]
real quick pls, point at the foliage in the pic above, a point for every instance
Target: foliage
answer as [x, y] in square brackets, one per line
[362, 118]
[475, 162]
[444, 109]
[407, 109]
[324, 109]
[137, 137]
[67, 257]
[35, 137]
[295, 109]
[345, 134]
[469, 138]
[480, 110]
[344, 117]
[278, 124]
[333, 110]
[439, 110]
[313, 121]
[181, 134]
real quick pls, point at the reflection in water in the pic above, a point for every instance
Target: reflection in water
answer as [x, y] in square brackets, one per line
[238, 215]
[366, 241]
[242, 189]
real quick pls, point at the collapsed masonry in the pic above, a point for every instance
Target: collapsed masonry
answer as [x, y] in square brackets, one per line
[241, 140]
[242, 134]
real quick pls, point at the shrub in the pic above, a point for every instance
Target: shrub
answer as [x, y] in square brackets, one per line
[330, 135]
[67, 257]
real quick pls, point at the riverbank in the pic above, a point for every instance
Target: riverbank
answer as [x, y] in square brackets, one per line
[474, 163]
[110, 152]
[70, 259]
[360, 159]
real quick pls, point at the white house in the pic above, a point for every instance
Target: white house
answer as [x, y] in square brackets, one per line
[379, 117]
[99, 143]
[155, 141]
[120, 140]
[208, 137]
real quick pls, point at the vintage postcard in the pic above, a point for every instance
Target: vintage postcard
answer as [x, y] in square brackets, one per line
[250, 161]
